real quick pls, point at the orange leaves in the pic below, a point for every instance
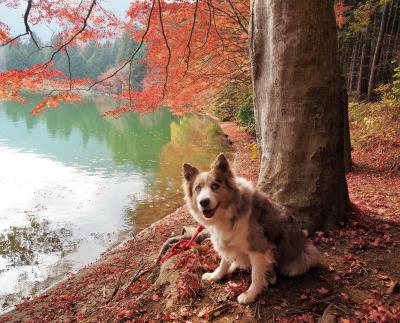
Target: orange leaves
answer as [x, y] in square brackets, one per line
[340, 12]
[4, 33]
[54, 101]
[34, 78]
[208, 47]
[193, 50]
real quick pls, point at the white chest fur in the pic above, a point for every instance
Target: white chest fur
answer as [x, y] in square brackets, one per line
[231, 242]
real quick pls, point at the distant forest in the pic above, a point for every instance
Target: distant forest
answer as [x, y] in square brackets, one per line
[91, 60]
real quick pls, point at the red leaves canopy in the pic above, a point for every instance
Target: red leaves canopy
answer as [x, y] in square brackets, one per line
[194, 49]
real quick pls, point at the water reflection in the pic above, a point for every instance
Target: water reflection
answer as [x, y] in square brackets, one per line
[72, 184]
[21, 246]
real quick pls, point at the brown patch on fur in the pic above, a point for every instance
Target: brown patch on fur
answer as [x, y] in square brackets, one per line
[270, 223]
[243, 203]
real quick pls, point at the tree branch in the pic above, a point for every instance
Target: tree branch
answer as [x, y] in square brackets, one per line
[28, 30]
[167, 45]
[69, 68]
[76, 34]
[239, 21]
[190, 37]
[133, 54]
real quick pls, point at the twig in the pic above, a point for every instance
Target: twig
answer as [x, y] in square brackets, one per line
[218, 310]
[118, 284]
[139, 273]
[76, 34]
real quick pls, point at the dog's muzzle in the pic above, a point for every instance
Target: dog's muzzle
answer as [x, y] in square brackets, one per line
[209, 213]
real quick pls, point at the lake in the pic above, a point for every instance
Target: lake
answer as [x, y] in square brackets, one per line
[74, 184]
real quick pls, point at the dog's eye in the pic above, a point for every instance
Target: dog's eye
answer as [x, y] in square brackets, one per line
[198, 188]
[214, 186]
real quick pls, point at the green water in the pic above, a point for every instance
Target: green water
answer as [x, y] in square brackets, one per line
[73, 184]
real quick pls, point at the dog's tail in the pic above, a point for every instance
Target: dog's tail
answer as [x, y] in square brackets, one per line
[308, 258]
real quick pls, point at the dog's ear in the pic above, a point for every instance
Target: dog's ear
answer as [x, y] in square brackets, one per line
[189, 172]
[221, 164]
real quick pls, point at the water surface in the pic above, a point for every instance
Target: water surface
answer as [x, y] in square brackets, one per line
[73, 184]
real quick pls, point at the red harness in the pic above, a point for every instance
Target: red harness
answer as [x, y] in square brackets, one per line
[181, 245]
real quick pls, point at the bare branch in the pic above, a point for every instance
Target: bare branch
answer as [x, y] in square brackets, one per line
[166, 44]
[129, 84]
[239, 21]
[234, 17]
[209, 26]
[28, 30]
[133, 54]
[69, 68]
[128, 61]
[190, 37]
[76, 34]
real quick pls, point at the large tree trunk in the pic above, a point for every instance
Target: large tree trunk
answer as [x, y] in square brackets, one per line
[298, 108]
[363, 75]
[377, 54]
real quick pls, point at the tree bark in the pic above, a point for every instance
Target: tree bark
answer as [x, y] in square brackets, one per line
[363, 75]
[377, 54]
[297, 98]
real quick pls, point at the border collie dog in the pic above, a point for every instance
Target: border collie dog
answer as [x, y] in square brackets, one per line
[247, 229]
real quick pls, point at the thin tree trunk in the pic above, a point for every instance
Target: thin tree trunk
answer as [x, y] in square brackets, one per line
[297, 99]
[346, 129]
[390, 49]
[386, 39]
[350, 83]
[377, 54]
[363, 75]
[343, 54]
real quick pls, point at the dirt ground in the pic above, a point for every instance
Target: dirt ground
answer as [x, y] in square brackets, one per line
[358, 279]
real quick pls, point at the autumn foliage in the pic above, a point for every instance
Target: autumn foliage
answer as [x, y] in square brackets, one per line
[193, 50]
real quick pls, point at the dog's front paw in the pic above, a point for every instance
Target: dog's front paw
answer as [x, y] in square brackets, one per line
[211, 277]
[246, 297]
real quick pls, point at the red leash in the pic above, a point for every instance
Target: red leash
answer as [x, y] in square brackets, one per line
[182, 245]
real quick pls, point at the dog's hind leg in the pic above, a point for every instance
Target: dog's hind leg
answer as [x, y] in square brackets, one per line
[218, 273]
[272, 277]
[309, 257]
[261, 263]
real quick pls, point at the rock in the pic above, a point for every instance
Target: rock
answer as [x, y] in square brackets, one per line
[167, 279]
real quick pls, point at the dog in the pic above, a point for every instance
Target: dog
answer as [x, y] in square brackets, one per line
[247, 229]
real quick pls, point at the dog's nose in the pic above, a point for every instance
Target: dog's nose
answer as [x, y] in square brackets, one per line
[205, 202]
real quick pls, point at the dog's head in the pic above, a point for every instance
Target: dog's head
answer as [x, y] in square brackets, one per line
[208, 192]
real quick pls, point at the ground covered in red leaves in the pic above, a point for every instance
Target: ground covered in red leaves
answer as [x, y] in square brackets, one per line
[358, 279]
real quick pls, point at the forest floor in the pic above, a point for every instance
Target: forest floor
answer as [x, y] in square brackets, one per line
[358, 279]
